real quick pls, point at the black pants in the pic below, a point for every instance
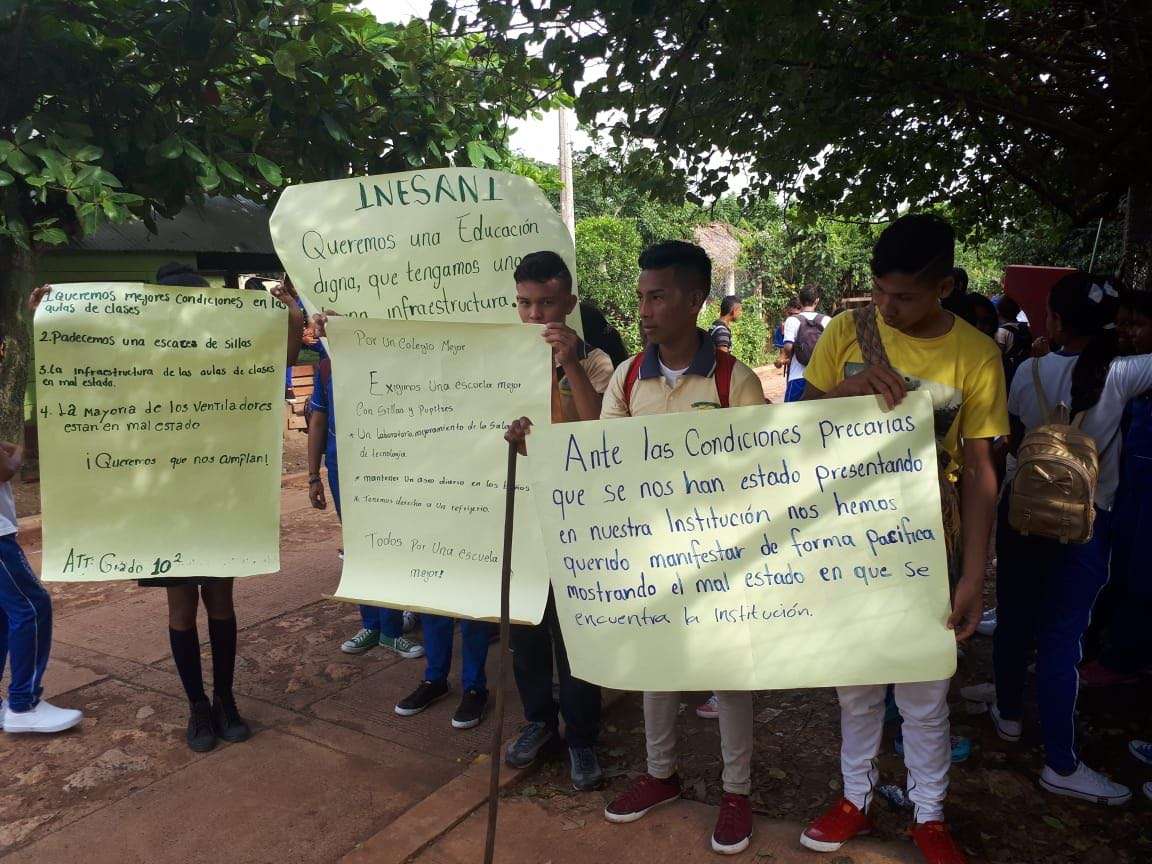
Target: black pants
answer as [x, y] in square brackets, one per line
[532, 650]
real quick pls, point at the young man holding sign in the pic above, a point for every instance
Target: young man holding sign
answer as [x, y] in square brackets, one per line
[908, 341]
[682, 370]
[580, 377]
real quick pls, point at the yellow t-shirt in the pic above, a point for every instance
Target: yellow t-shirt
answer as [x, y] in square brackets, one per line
[961, 370]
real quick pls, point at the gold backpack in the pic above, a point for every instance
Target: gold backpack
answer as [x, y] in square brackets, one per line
[1057, 466]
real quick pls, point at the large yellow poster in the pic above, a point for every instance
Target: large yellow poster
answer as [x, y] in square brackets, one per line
[420, 416]
[160, 417]
[439, 244]
[753, 548]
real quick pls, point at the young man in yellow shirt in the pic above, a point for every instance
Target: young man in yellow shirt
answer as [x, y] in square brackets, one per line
[682, 370]
[928, 348]
[580, 376]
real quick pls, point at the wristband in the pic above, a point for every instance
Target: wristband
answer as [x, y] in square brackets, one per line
[313, 478]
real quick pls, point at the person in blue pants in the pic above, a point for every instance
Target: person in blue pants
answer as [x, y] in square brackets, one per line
[25, 619]
[475, 637]
[379, 627]
[1046, 590]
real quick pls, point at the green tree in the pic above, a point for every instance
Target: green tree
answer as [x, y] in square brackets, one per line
[113, 110]
[992, 107]
[607, 248]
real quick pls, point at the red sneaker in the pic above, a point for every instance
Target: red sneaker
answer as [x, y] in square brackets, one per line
[1096, 674]
[839, 824]
[733, 825]
[936, 844]
[643, 795]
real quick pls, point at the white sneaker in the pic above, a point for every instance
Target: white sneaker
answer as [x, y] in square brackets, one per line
[985, 692]
[45, 718]
[1087, 785]
[987, 625]
[1008, 730]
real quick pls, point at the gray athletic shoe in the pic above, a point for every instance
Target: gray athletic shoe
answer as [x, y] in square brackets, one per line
[586, 774]
[522, 752]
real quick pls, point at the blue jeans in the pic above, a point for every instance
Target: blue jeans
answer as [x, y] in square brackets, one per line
[1045, 592]
[390, 622]
[794, 392]
[1128, 644]
[25, 626]
[438, 630]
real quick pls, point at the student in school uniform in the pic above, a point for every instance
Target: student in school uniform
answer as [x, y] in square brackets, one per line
[1046, 590]
[682, 370]
[907, 340]
[801, 331]
[219, 719]
[25, 618]
[581, 375]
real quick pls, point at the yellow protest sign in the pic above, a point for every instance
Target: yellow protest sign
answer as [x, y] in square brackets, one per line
[421, 410]
[160, 420]
[755, 548]
[439, 244]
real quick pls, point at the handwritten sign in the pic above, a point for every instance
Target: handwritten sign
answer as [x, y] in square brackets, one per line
[160, 414]
[440, 244]
[776, 547]
[420, 416]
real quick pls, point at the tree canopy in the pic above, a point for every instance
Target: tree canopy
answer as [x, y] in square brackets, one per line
[861, 106]
[120, 108]
[123, 109]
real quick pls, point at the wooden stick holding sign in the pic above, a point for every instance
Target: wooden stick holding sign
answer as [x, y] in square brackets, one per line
[505, 628]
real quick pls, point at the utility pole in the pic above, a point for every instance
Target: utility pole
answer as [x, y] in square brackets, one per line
[567, 206]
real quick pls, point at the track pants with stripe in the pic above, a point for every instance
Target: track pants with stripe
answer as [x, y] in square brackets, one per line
[25, 626]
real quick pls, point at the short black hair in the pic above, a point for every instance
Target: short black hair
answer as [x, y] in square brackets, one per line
[175, 273]
[959, 280]
[681, 256]
[542, 267]
[919, 244]
[1008, 309]
[254, 283]
[729, 303]
[808, 295]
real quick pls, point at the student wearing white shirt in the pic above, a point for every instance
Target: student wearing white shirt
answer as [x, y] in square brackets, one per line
[801, 331]
[1046, 590]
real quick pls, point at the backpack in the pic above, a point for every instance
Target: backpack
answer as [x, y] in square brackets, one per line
[807, 335]
[1057, 466]
[874, 354]
[725, 363]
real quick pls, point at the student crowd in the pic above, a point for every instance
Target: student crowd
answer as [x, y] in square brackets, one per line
[993, 387]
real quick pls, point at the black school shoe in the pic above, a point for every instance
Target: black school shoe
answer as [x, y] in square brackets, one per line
[227, 722]
[471, 710]
[200, 736]
[420, 698]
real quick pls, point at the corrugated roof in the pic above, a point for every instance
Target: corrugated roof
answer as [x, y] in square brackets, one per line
[220, 224]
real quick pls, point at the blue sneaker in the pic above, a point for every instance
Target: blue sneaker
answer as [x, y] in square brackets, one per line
[1142, 750]
[961, 748]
